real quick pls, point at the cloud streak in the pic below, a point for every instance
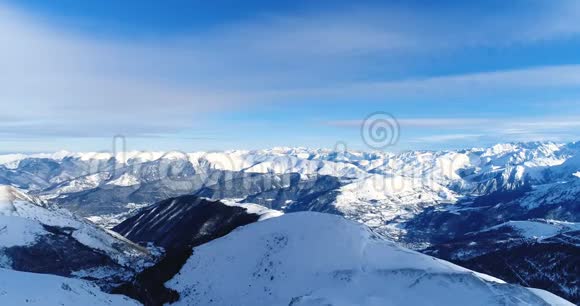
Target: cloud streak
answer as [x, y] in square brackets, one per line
[480, 129]
[64, 84]
[515, 124]
[447, 138]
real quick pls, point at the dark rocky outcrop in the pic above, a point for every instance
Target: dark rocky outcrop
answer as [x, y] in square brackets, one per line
[178, 225]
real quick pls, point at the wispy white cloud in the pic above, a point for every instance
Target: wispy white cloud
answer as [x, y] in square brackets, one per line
[513, 125]
[447, 138]
[366, 30]
[418, 122]
[505, 125]
[441, 130]
[60, 83]
[459, 85]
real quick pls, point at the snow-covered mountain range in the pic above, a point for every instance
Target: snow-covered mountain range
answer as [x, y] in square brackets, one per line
[409, 179]
[377, 188]
[446, 203]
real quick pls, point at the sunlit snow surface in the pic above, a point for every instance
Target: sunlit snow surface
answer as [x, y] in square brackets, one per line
[318, 259]
[259, 210]
[22, 288]
[22, 219]
[539, 229]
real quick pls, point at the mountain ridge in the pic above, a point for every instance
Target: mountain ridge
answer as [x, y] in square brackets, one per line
[328, 260]
[420, 199]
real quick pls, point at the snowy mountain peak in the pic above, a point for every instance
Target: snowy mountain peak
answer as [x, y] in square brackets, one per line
[28, 228]
[10, 194]
[319, 259]
[304, 153]
[7, 198]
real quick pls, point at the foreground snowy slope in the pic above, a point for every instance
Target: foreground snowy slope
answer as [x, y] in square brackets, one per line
[37, 237]
[22, 288]
[318, 259]
[177, 225]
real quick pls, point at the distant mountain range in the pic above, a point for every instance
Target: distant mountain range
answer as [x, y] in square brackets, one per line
[483, 208]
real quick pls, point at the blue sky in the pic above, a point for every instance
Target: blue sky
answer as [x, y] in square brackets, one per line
[211, 75]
